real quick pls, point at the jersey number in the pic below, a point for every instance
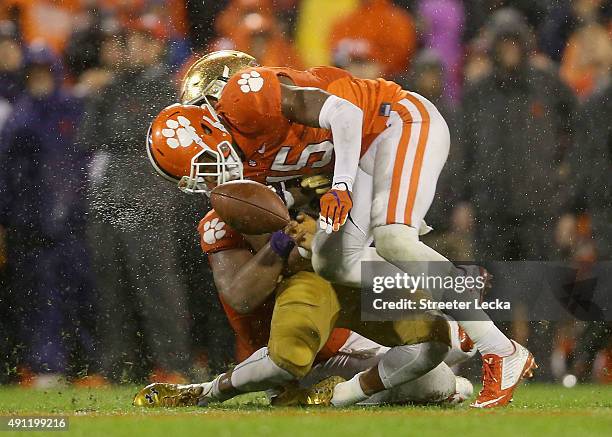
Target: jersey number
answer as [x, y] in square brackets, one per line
[326, 148]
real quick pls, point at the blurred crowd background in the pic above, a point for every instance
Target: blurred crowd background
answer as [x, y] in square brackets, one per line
[101, 275]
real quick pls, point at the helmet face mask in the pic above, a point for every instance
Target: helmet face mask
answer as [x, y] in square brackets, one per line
[210, 168]
[214, 89]
[190, 146]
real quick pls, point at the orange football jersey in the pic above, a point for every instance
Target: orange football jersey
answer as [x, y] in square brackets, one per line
[216, 235]
[276, 149]
[253, 329]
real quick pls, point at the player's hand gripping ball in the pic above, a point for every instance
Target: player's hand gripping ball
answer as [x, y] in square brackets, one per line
[335, 207]
[302, 230]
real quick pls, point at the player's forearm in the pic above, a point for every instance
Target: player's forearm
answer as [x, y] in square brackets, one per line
[345, 120]
[260, 274]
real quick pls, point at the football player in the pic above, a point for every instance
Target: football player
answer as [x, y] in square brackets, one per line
[277, 124]
[298, 319]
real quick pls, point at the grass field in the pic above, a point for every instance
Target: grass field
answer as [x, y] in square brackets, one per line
[537, 410]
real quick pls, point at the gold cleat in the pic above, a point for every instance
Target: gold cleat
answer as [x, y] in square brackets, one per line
[322, 392]
[161, 394]
[292, 395]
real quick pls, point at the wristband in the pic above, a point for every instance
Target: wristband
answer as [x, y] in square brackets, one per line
[281, 244]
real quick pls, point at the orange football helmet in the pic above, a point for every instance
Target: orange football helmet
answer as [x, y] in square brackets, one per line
[189, 145]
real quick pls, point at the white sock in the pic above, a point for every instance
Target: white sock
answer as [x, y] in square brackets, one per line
[258, 372]
[348, 393]
[488, 338]
[215, 393]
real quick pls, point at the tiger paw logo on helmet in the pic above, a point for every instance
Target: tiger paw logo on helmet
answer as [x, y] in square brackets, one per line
[250, 82]
[213, 231]
[180, 132]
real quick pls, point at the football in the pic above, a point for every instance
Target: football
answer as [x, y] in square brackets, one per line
[249, 207]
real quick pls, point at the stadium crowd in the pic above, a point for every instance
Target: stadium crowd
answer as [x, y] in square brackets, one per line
[101, 275]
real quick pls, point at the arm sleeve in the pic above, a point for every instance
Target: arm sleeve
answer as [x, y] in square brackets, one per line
[345, 121]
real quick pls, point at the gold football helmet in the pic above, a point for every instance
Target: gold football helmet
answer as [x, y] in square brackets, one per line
[209, 74]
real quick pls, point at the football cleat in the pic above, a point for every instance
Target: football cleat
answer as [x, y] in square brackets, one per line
[291, 395]
[161, 394]
[501, 376]
[322, 392]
